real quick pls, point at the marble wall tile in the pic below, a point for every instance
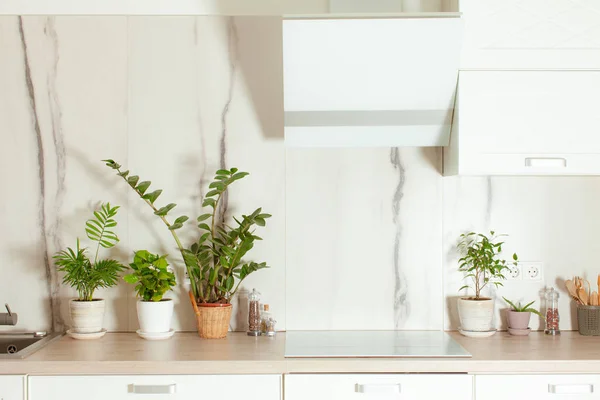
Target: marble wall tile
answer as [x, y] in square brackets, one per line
[63, 102]
[363, 239]
[193, 111]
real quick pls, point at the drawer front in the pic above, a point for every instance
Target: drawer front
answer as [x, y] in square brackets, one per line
[156, 387]
[378, 387]
[538, 387]
[12, 387]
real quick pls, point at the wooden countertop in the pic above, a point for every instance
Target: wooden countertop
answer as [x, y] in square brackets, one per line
[186, 353]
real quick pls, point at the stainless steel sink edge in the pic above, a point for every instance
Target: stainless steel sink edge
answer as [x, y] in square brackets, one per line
[29, 350]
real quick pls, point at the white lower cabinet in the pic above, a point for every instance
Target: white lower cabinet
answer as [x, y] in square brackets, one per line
[378, 387]
[155, 387]
[538, 387]
[12, 387]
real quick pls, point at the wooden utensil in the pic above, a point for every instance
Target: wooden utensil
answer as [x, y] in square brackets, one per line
[594, 298]
[599, 283]
[571, 288]
[583, 296]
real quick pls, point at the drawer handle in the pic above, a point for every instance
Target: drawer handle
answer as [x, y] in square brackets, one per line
[377, 388]
[571, 389]
[152, 389]
[546, 162]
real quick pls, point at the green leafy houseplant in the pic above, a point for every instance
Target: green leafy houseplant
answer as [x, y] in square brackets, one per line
[80, 271]
[215, 261]
[151, 276]
[517, 307]
[481, 262]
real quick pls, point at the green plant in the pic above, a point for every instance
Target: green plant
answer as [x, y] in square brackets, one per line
[481, 261]
[215, 261]
[525, 308]
[151, 273]
[80, 272]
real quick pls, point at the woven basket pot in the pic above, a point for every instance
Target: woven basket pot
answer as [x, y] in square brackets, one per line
[212, 319]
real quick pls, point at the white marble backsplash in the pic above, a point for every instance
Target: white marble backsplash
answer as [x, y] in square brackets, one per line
[359, 239]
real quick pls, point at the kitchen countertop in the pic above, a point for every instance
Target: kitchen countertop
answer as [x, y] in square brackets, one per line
[186, 353]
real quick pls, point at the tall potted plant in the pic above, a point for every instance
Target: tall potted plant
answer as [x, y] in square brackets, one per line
[87, 275]
[152, 279]
[481, 263]
[214, 262]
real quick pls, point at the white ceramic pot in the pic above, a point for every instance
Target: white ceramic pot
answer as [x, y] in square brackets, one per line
[155, 316]
[476, 315]
[87, 316]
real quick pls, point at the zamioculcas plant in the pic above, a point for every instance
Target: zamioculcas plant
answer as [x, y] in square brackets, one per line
[215, 261]
[481, 260]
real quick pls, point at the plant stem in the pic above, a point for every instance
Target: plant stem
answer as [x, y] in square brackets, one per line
[179, 245]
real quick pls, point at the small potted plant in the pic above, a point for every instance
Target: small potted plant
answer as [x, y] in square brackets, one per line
[152, 279]
[481, 264]
[518, 317]
[86, 275]
[214, 262]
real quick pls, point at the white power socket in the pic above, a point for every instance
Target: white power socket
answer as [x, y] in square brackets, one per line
[532, 271]
[514, 273]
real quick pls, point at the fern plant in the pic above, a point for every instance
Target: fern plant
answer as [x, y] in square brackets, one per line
[81, 272]
[151, 275]
[215, 261]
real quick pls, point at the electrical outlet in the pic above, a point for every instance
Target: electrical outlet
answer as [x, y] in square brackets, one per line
[514, 273]
[532, 271]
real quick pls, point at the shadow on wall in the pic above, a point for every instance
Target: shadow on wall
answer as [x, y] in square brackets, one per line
[260, 56]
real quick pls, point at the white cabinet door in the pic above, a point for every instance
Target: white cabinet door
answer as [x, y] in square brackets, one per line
[159, 387]
[378, 387]
[12, 387]
[531, 34]
[527, 123]
[538, 387]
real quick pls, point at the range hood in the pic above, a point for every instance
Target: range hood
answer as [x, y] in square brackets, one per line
[370, 80]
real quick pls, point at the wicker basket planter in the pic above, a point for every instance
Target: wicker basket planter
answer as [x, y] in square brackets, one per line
[212, 320]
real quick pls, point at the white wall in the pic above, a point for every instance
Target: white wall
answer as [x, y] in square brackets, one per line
[359, 239]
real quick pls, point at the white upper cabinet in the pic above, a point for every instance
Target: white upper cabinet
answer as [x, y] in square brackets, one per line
[526, 123]
[531, 34]
[370, 81]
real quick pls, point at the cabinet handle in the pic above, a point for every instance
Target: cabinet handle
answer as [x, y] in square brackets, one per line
[545, 162]
[571, 389]
[378, 388]
[152, 389]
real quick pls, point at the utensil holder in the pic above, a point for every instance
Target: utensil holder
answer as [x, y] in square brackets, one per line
[588, 319]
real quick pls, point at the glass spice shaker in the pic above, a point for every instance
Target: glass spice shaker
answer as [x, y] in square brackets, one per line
[254, 314]
[552, 317]
[271, 327]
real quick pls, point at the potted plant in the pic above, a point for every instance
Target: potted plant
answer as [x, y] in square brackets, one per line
[480, 263]
[87, 275]
[518, 317]
[153, 279]
[214, 262]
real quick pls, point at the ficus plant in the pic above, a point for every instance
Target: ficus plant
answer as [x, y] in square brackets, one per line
[85, 274]
[215, 261]
[151, 276]
[517, 307]
[481, 261]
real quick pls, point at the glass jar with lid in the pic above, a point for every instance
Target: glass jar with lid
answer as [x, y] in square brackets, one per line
[552, 317]
[254, 313]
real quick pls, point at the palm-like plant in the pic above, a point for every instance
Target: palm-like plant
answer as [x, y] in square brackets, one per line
[81, 272]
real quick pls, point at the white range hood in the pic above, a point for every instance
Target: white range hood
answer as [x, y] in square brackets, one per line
[359, 80]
